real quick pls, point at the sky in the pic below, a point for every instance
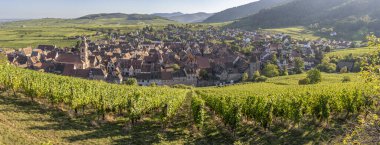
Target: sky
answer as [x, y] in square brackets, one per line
[10, 9]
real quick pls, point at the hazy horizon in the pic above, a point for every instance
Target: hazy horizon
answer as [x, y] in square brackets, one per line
[26, 9]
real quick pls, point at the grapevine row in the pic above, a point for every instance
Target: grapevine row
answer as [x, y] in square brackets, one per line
[292, 103]
[104, 97]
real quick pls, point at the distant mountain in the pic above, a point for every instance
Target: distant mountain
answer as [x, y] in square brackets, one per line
[244, 10]
[348, 17]
[185, 18]
[10, 20]
[121, 15]
[168, 15]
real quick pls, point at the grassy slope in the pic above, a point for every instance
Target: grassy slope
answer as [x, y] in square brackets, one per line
[299, 33]
[56, 31]
[326, 78]
[354, 51]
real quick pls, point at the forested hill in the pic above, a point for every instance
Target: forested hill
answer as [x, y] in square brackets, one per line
[347, 17]
[244, 10]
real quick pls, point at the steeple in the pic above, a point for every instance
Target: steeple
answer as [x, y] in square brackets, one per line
[84, 53]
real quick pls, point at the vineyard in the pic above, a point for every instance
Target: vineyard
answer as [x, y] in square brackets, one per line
[258, 105]
[130, 101]
[265, 103]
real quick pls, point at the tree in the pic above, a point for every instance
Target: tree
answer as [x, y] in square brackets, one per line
[346, 79]
[326, 66]
[3, 59]
[285, 71]
[271, 70]
[176, 67]
[298, 65]
[204, 75]
[244, 77]
[304, 81]
[273, 59]
[154, 84]
[131, 82]
[314, 76]
[256, 75]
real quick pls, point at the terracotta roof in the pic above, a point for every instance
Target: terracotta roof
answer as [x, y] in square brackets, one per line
[51, 55]
[21, 59]
[92, 59]
[34, 59]
[68, 69]
[69, 59]
[148, 76]
[27, 51]
[342, 64]
[203, 62]
[46, 47]
[97, 72]
[166, 76]
[37, 65]
[146, 67]
[82, 73]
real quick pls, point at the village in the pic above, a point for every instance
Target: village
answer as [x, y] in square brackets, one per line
[177, 55]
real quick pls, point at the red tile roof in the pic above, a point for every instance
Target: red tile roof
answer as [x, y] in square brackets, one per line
[69, 59]
[203, 62]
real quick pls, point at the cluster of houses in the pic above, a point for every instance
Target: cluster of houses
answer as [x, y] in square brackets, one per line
[173, 55]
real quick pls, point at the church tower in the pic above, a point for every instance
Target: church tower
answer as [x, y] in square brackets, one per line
[84, 53]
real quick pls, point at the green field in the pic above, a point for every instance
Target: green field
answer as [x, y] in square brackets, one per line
[56, 31]
[351, 51]
[299, 33]
[327, 78]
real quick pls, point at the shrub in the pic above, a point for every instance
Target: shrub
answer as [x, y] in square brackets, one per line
[3, 59]
[154, 84]
[299, 65]
[256, 75]
[131, 82]
[285, 72]
[304, 81]
[176, 67]
[346, 79]
[261, 79]
[314, 76]
[244, 77]
[344, 70]
[271, 70]
[327, 67]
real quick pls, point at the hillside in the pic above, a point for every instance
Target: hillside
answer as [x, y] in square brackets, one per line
[23, 121]
[191, 18]
[243, 11]
[167, 15]
[55, 31]
[185, 18]
[350, 19]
